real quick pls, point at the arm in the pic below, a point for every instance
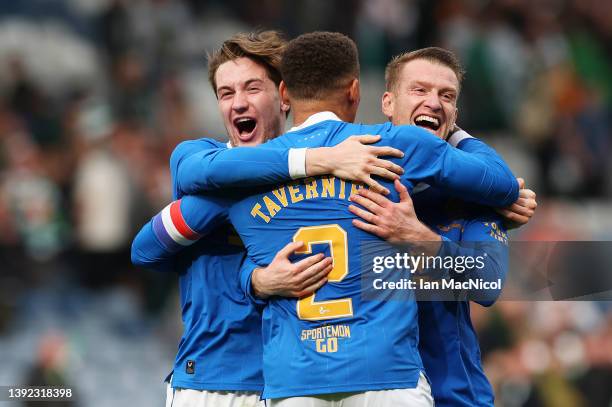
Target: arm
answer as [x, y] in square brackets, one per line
[198, 166]
[523, 209]
[177, 226]
[484, 237]
[473, 177]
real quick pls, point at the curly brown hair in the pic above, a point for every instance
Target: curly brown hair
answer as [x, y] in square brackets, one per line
[263, 47]
[317, 63]
[434, 54]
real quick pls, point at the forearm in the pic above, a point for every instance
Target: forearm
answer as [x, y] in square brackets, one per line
[234, 167]
[479, 178]
[149, 252]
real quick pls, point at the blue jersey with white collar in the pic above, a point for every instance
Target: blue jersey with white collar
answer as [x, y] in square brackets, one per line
[333, 341]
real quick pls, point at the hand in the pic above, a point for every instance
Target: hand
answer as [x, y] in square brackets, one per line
[522, 210]
[354, 160]
[287, 279]
[394, 222]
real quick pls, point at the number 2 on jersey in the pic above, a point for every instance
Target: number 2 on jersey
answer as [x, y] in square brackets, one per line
[335, 237]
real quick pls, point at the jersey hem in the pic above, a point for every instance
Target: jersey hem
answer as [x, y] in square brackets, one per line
[349, 388]
[195, 385]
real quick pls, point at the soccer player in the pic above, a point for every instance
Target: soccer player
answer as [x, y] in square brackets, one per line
[332, 342]
[197, 158]
[422, 89]
[219, 357]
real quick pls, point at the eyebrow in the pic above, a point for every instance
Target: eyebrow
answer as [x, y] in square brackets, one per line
[429, 84]
[246, 84]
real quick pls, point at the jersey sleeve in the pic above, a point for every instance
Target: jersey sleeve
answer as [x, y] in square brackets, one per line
[205, 166]
[484, 238]
[246, 274]
[177, 226]
[465, 142]
[476, 177]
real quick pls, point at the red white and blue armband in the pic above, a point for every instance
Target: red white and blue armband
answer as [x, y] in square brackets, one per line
[171, 229]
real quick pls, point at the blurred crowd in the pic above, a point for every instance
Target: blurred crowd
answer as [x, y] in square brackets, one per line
[95, 94]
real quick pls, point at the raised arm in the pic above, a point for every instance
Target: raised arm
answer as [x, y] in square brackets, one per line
[521, 211]
[203, 165]
[482, 178]
[176, 227]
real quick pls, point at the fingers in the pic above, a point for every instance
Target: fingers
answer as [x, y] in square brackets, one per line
[382, 172]
[386, 151]
[402, 190]
[368, 203]
[312, 288]
[289, 249]
[308, 262]
[375, 186]
[372, 196]
[388, 165]
[521, 210]
[527, 193]
[365, 215]
[316, 273]
[373, 229]
[521, 183]
[513, 216]
[367, 138]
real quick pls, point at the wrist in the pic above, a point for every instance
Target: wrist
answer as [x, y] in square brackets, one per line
[257, 287]
[318, 161]
[428, 242]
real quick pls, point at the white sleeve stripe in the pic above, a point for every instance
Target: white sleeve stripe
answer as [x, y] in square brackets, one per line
[457, 137]
[297, 163]
[172, 230]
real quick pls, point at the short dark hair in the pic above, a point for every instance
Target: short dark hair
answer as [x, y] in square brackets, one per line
[434, 54]
[317, 63]
[263, 47]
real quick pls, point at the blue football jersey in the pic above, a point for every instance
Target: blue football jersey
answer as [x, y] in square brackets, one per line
[448, 342]
[333, 341]
[221, 347]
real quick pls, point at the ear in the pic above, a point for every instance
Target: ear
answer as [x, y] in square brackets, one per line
[354, 92]
[284, 96]
[388, 101]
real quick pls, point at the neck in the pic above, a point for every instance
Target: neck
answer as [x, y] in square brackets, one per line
[302, 110]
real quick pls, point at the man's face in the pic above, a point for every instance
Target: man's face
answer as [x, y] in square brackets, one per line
[249, 102]
[425, 95]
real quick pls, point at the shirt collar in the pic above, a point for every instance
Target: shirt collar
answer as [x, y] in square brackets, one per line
[316, 118]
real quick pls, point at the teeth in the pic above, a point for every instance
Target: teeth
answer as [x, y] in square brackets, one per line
[428, 119]
[243, 119]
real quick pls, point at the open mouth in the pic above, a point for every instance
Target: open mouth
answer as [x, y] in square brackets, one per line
[245, 127]
[427, 122]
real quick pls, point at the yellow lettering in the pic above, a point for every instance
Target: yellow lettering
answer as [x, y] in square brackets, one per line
[321, 348]
[311, 188]
[294, 193]
[342, 188]
[271, 206]
[256, 211]
[281, 195]
[332, 345]
[329, 186]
